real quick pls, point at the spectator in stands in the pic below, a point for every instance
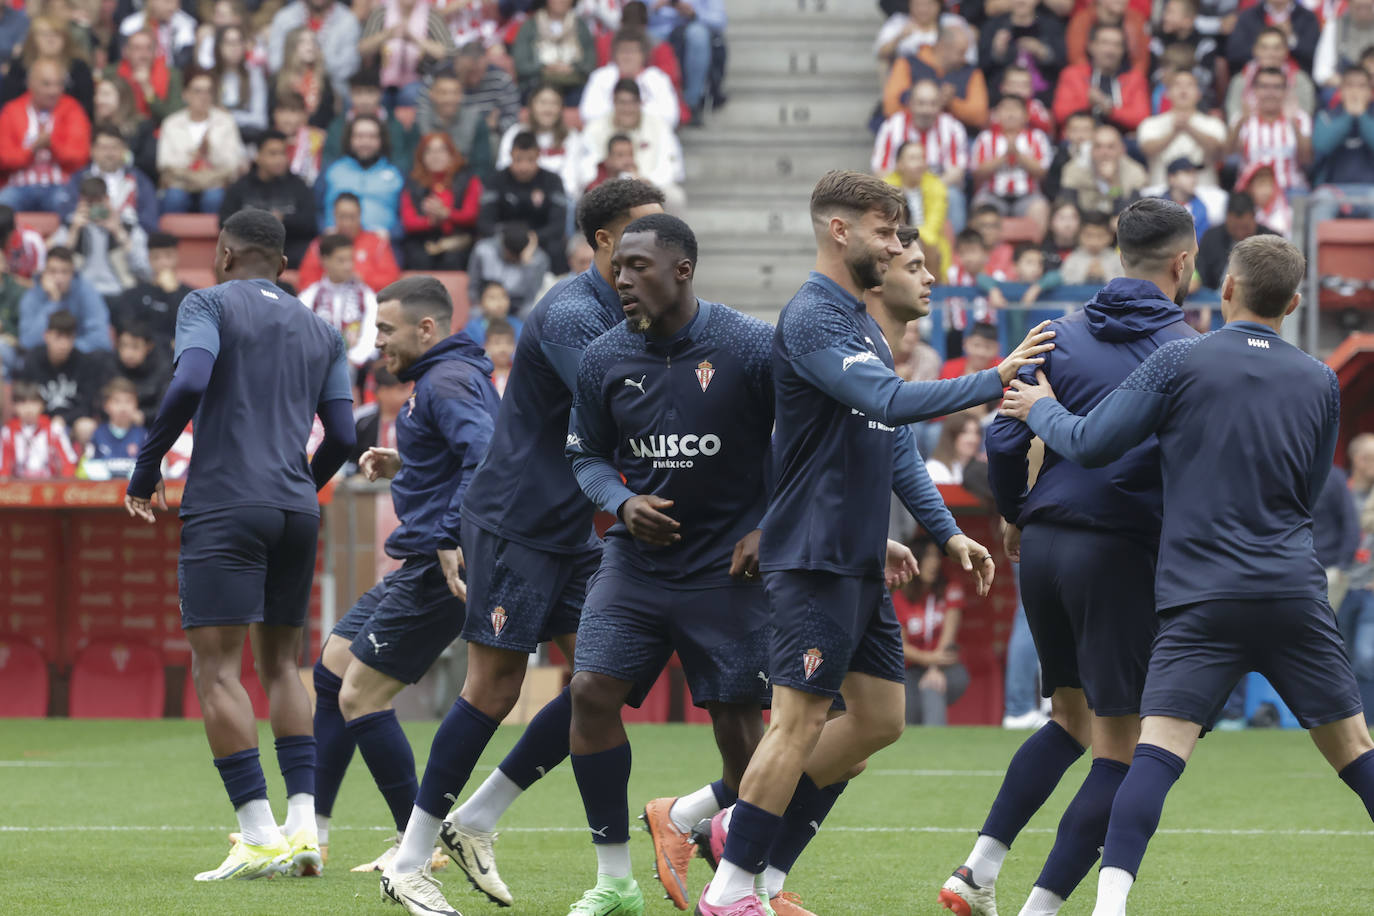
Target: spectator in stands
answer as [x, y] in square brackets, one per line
[580, 255]
[960, 444]
[109, 245]
[927, 202]
[223, 14]
[338, 31]
[917, 361]
[114, 105]
[373, 258]
[199, 152]
[1075, 145]
[499, 343]
[1029, 271]
[1008, 161]
[1343, 144]
[1110, 180]
[493, 306]
[619, 161]
[657, 151]
[1178, 25]
[1026, 38]
[344, 301]
[630, 53]
[1133, 25]
[365, 94]
[554, 48]
[1215, 248]
[32, 446]
[514, 259]
[376, 422]
[404, 40]
[963, 89]
[153, 304]
[1182, 190]
[982, 350]
[444, 107]
[1016, 80]
[24, 249]
[907, 31]
[1361, 452]
[155, 84]
[14, 25]
[561, 149]
[131, 194]
[970, 258]
[986, 220]
[146, 365]
[1103, 84]
[47, 38]
[1271, 204]
[1095, 260]
[366, 172]
[487, 89]
[439, 207]
[304, 71]
[269, 185]
[114, 445]
[1183, 131]
[68, 380]
[173, 27]
[1270, 52]
[44, 137]
[1271, 133]
[1297, 23]
[240, 83]
[11, 292]
[634, 17]
[694, 30]
[1062, 238]
[526, 193]
[940, 135]
[929, 609]
[60, 290]
[304, 143]
[1343, 39]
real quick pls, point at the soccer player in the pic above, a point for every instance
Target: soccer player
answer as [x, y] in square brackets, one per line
[1087, 540]
[1247, 428]
[396, 630]
[529, 547]
[253, 366]
[841, 444]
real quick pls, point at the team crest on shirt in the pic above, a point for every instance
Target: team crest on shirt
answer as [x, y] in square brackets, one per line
[498, 620]
[811, 662]
[705, 372]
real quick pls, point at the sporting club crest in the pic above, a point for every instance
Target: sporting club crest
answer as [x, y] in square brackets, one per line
[705, 372]
[811, 662]
[498, 620]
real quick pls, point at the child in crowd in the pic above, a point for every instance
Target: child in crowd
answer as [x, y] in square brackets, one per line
[970, 258]
[493, 306]
[927, 202]
[987, 220]
[343, 300]
[500, 345]
[1095, 260]
[1028, 268]
[1271, 204]
[145, 365]
[1182, 174]
[304, 144]
[115, 443]
[32, 447]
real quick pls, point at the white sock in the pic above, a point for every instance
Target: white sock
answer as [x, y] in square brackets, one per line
[300, 812]
[730, 885]
[1042, 903]
[1113, 884]
[613, 859]
[725, 821]
[417, 845]
[773, 879]
[986, 860]
[689, 809]
[481, 812]
[257, 826]
[322, 827]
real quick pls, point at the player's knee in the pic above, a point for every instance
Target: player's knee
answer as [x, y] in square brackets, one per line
[355, 702]
[211, 672]
[595, 696]
[885, 727]
[855, 770]
[494, 693]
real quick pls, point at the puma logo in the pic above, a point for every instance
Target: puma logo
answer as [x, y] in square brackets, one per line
[541, 771]
[631, 383]
[602, 832]
[376, 646]
[815, 827]
[763, 677]
[453, 799]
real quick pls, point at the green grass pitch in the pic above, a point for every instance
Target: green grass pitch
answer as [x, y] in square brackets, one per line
[115, 817]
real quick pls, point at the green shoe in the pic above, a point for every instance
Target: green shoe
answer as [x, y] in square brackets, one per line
[610, 897]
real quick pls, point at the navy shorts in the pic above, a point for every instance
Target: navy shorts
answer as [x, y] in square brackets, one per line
[1203, 649]
[1090, 603]
[630, 626]
[827, 625]
[246, 564]
[404, 622]
[519, 597]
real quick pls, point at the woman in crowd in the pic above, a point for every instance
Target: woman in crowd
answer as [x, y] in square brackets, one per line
[199, 152]
[114, 104]
[961, 441]
[404, 40]
[47, 38]
[555, 48]
[242, 84]
[156, 85]
[439, 206]
[302, 70]
[1062, 237]
[366, 172]
[561, 149]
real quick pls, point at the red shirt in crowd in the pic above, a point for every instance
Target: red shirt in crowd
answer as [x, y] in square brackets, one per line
[923, 618]
[373, 261]
[38, 452]
[462, 217]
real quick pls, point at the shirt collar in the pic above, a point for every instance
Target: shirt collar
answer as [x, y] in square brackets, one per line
[686, 334]
[604, 292]
[1252, 328]
[835, 289]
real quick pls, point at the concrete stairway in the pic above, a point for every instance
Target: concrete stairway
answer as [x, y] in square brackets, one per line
[802, 85]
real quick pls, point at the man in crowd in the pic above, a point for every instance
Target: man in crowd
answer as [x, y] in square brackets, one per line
[271, 186]
[45, 137]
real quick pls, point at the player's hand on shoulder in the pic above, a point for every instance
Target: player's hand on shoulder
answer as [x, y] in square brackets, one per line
[451, 562]
[744, 563]
[974, 558]
[1027, 353]
[900, 567]
[380, 462]
[1021, 398]
[645, 520]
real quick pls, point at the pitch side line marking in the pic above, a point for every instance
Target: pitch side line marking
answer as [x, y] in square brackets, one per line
[221, 828]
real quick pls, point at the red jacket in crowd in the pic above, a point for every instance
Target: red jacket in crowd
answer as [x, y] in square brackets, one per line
[38, 452]
[373, 260]
[1072, 96]
[70, 144]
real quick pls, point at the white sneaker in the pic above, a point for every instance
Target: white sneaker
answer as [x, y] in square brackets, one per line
[965, 898]
[248, 862]
[417, 891]
[471, 849]
[436, 863]
[1030, 720]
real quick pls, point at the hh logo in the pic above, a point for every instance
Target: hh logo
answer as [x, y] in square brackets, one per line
[498, 620]
[705, 372]
[811, 662]
[1258, 342]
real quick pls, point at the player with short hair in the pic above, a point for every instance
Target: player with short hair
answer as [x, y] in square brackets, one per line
[398, 628]
[841, 445]
[1087, 567]
[1247, 427]
[529, 548]
[253, 366]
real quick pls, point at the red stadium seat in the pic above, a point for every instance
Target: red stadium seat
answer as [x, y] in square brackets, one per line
[196, 277]
[248, 676]
[40, 221]
[23, 680]
[118, 680]
[1017, 229]
[196, 235]
[1343, 247]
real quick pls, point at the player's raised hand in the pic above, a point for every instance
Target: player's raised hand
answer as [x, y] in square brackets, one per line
[451, 562]
[380, 462]
[1027, 353]
[1022, 396]
[744, 562]
[900, 567]
[143, 508]
[975, 558]
[642, 516]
